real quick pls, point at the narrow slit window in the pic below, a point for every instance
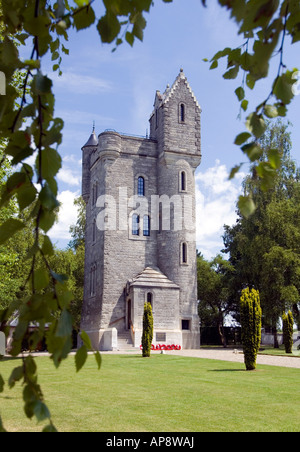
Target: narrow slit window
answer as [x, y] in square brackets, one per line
[183, 181]
[135, 225]
[184, 253]
[146, 226]
[141, 186]
[182, 113]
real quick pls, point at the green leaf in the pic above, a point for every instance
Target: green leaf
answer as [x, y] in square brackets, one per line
[41, 84]
[81, 357]
[274, 157]
[214, 64]
[250, 81]
[41, 411]
[283, 87]
[255, 124]
[242, 137]
[235, 170]
[253, 151]
[47, 198]
[129, 38]
[240, 92]
[232, 73]
[98, 359]
[41, 279]
[47, 220]
[84, 18]
[65, 298]
[244, 104]
[270, 111]
[267, 175]
[246, 206]
[86, 340]
[47, 247]
[37, 26]
[64, 326]
[26, 196]
[9, 228]
[51, 163]
[108, 27]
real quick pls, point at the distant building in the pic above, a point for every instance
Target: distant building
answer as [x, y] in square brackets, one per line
[140, 227]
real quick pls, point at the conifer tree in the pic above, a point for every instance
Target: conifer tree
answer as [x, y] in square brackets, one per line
[251, 326]
[147, 330]
[288, 324]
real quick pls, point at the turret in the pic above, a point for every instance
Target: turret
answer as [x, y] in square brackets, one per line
[90, 146]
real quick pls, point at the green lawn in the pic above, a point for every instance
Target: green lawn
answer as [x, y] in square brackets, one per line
[161, 394]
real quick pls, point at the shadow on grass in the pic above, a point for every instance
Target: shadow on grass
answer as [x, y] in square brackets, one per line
[227, 370]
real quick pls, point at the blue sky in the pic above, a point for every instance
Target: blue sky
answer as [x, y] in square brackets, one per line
[116, 90]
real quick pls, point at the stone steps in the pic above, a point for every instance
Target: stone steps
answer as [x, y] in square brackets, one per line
[125, 341]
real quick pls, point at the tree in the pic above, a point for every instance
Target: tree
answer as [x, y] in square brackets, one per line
[147, 335]
[288, 329]
[213, 292]
[264, 248]
[251, 326]
[45, 25]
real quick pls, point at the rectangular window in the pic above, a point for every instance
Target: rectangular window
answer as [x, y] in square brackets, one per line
[146, 226]
[185, 324]
[135, 225]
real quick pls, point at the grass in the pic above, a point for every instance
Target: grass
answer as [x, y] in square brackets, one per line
[159, 394]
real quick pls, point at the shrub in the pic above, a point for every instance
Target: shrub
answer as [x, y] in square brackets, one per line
[288, 324]
[251, 326]
[147, 330]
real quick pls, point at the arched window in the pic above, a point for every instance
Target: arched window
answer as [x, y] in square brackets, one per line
[149, 298]
[183, 181]
[184, 253]
[135, 225]
[146, 226]
[182, 113]
[141, 186]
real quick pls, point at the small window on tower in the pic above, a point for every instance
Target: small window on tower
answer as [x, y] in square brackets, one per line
[141, 186]
[183, 181]
[184, 258]
[182, 113]
[135, 224]
[146, 226]
[149, 298]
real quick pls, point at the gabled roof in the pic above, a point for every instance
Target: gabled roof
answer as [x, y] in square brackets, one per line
[152, 277]
[166, 96]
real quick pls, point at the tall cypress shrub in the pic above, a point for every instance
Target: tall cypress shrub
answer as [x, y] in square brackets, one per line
[288, 325]
[147, 336]
[251, 326]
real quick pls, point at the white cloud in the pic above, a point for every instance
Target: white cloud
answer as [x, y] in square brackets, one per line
[82, 83]
[67, 216]
[216, 198]
[69, 177]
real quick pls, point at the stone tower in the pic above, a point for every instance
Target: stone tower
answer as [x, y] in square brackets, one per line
[140, 227]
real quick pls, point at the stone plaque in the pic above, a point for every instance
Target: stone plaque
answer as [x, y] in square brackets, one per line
[2, 343]
[161, 337]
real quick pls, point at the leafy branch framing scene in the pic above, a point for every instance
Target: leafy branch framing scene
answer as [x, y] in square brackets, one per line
[36, 290]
